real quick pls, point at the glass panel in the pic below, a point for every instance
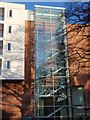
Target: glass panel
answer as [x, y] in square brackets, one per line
[78, 101]
[10, 29]
[1, 13]
[8, 64]
[1, 47]
[10, 13]
[0, 65]
[45, 106]
[1, 30]
[50, 62]
[9, 46]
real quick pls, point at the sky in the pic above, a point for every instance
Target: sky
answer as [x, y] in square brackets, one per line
[30, 5]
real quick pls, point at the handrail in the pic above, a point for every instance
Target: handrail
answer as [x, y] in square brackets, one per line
[50, 91]
[59, 109]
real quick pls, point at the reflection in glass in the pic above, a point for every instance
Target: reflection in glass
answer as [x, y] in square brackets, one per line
[50, 61]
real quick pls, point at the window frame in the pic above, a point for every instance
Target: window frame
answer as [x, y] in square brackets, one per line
[0, 66]
[10, 13]
[9, 29]
[2, 13]
[9, 47]
[8, 64]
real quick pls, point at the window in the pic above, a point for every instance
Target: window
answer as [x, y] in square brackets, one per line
[78, 100]
[78, 95]
[10, 29]
[10, 13]
[9, 46]
[1, 47]
[1, 30]
[0, 65]
[1, 13]
[8, 64]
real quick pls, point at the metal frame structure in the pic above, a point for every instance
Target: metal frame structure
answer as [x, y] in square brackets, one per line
[51, 62]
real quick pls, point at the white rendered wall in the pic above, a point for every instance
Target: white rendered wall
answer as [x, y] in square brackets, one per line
[16, 38]
[29, 15]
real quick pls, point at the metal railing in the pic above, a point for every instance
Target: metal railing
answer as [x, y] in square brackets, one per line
[79, 116]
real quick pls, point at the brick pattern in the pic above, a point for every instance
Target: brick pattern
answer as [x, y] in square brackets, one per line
[78, 44]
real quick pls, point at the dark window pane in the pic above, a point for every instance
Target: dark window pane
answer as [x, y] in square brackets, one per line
[1, 13]
[10, 13]
[1, 30]
[10, 29]
[8, 64]
[9, 46]
[0, 65]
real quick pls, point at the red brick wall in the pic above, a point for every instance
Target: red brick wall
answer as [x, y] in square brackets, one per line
[29, 67]
[12, 93]
[78, 46]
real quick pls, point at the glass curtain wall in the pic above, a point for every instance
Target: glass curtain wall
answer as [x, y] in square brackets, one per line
[51, 68]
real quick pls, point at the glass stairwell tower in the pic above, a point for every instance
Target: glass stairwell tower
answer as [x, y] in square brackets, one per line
[51, 62]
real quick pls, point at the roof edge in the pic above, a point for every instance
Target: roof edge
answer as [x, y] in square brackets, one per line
[50, 7]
